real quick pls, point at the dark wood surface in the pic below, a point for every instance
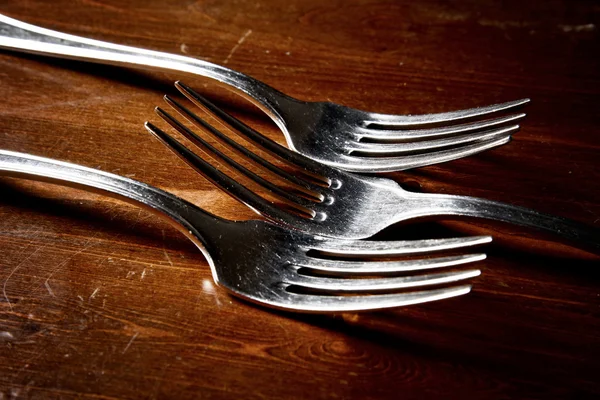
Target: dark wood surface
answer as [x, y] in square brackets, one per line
[99, 300]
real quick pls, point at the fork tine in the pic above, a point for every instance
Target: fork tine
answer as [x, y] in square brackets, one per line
[309, 166]
[285, 196]
[419, 134]
[224, 182]
[408, 147]
[389, 121]
[301, 184]
[399, 163]
[383, 248]
[379, 284]
[386, 267]
[305, 302]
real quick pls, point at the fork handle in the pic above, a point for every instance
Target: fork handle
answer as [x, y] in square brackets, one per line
[575, 233]
[20, 36]
[181, 214]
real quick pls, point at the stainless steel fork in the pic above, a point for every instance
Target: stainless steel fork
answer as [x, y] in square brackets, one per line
[333, 134]
[343, 205]
[270, 265]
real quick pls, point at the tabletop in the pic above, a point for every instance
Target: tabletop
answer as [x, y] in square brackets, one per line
[100, 300]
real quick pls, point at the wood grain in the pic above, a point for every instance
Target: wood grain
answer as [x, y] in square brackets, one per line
[99, 300]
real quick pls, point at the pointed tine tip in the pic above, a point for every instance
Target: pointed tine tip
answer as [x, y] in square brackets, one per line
[472, 240]
[507, 130]
[171, 101]
[153, 129]
[484, 238]
[196, 97]
[514, 117]
[477, 257]
[472, 273]
[159, 111]
[518, 102]
[156, 132]
[464, 289]
[460, 242]
[161, 135]
[182, 87]
[167, 117]
[162, 113]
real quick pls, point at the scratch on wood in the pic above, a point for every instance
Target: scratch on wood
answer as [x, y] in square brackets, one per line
[62, 264]
[130, 341]
[165, 251]
[12, 273]
[237, 45]
[168, 258]
[47, 284]
[94, 293]
[143, 274]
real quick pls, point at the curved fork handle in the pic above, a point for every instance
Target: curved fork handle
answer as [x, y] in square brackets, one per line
[183, 215]
[575, 233]
[20, 36]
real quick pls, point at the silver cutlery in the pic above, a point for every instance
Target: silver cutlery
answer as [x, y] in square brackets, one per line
[274, 266]
[330, 133]
[341, 204]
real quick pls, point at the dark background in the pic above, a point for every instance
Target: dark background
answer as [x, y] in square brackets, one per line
[99, 300]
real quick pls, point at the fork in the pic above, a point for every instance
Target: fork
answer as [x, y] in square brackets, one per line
[341, 204]
[271, 265]
[333, 134]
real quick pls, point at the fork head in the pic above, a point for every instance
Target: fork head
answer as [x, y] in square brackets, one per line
[360, 141]
[295, 271]
[313, 207]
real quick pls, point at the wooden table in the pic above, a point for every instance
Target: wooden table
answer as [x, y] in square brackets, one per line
[99, 300]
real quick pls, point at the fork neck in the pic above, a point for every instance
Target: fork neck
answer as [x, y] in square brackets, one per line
[21, 36]
[184, 216]
[574, 233]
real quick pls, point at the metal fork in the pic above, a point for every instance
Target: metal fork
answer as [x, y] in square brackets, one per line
[333, 134]
[271, 265]
[343, 204]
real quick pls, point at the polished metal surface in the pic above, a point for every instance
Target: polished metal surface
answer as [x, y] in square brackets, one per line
[330, 133]
[351, 206]
[271, 265]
